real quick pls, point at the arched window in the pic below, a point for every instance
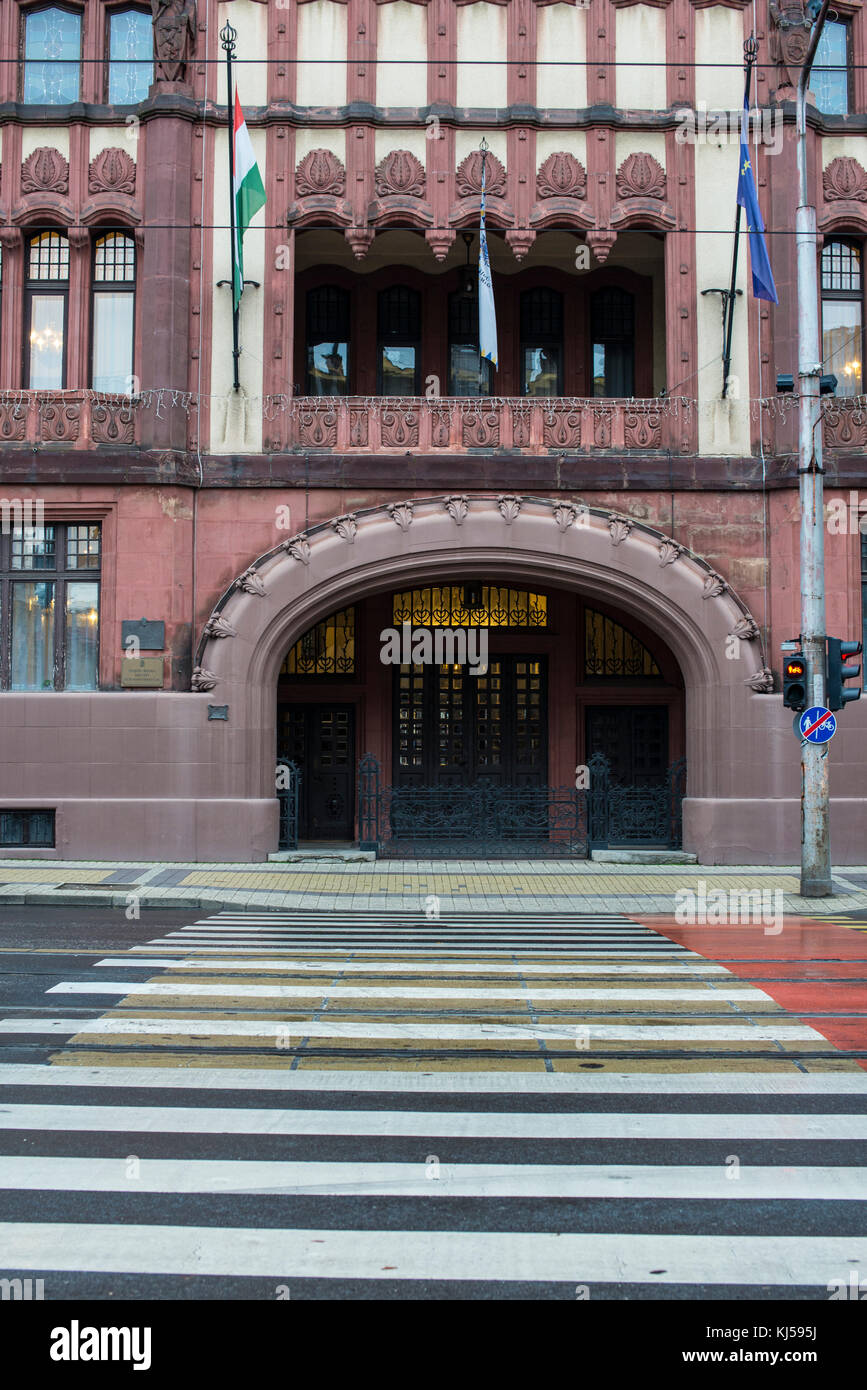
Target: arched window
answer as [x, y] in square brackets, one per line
[52, 56]
[542, 342]
[842, 315]
[399, 341]
[46, 295]
[113, 312]
[130, 56]
[327, 341]
[612, 335]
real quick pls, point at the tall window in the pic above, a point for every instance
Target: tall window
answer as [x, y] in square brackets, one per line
[52, 56]
[830, 78]
[864, 605]
[842, 317]
[49, 607]
[612, 328]
[399, 341]
[130, 56]
[542, 343]
[46, 296]
[469, 373]
[113, 312]
[327, 341]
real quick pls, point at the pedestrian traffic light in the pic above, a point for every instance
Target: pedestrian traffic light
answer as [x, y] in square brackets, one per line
[795, 681]
[838, 672]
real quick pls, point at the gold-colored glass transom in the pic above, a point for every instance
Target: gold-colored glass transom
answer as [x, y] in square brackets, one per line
[328, 649]
[609, 650]
[468, 605]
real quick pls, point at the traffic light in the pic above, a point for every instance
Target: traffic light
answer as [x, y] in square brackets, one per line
[839, 671]
[795, 681]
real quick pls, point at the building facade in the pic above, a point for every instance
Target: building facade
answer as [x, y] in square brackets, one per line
[195, 580]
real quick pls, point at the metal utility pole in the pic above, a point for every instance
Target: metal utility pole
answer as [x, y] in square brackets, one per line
[815, 829]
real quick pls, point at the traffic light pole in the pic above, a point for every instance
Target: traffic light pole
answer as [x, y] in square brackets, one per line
[815, 829]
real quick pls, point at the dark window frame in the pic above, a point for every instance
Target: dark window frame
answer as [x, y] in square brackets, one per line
[35, 289]
[863, 523]
[830, 295]
[98, 287]
[460, 337]
[395, 337]
[61, 574]
[113, 12]
[530, 337]
[28, 813]
[29, 12]
[593, 337]
[847, 21]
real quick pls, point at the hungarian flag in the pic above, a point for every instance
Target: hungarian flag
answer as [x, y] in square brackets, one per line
[248, 192]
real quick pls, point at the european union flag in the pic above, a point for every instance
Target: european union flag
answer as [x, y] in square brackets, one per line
[763, 280]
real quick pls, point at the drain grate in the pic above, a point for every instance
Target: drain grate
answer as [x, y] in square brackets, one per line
[107, 887]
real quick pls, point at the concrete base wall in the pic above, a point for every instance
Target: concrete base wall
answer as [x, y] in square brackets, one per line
[768, 831]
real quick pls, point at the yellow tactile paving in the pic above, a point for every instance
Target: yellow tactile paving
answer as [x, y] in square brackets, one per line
[538, 885]
[10, 875]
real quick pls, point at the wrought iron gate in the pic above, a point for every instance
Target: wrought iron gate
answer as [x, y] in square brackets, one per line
[486, 821]
[287, 780]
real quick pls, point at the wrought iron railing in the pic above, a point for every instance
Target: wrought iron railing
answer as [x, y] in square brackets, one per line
[287, 781]
[647, 814]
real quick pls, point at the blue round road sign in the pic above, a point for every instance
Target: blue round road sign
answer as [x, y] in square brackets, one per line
[817, 725]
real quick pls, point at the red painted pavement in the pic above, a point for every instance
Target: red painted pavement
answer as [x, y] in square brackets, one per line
[809, 968]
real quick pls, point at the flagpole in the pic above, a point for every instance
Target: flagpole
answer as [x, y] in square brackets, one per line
[484, 149]
[227, 39]
[751, 49]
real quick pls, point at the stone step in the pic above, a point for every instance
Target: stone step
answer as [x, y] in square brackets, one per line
[642, 856]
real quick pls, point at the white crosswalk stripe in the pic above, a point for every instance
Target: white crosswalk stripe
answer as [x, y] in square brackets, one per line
[320, 1100]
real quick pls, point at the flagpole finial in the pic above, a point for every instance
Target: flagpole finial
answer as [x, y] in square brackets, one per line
[228, 36]
[751, 50]
[484, 146]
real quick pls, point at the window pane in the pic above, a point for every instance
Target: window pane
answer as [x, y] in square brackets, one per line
[12, 827]
[114, 258]
[841, 343]
[542, 371]
[52, 47]
[131, 66]
[398, 371]
[612, 369]
[469, 375]
[112, 341]
[841, 267]
[32, 636]
[82, 633]
[328, 369]
[49, 257]
[45, 357]
[830, 78]
[82, 547]
[33, 548]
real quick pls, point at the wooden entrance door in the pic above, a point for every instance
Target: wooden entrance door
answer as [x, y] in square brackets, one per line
[634, 739]
[321, 740]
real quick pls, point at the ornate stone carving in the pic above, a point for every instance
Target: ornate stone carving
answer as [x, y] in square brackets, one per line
[713, 586]
[561, 428]
[45, 171]
[320, 172]
[844, 423]
[13, 421]
[346, 527]
[112, 171]
[317, 426]
[457, 508]
[480, 429]
[790, 39]
[468, 180]
[601, 428]
[251, 583]
[358, 427]
[642, 427]
[618, 527]
[640, 176]
[561, 176]
[59, 422]
[600, 242]
[509, 507]
[845, 178]
[669, 551]
[521, 242]
[399, 429]
[298, 547]
[747, 629]
[762, 682]
[360, 239]
[217, 626]
[520, 424]
[202, 679]
[401, 513]
[174, 38]
[565, 515]
[439, 239]
[399, 172]
[112, 422]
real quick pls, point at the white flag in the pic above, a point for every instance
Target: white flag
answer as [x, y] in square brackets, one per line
[487, 312]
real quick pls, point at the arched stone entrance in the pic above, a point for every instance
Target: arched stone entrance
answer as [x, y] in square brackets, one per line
[528, 541]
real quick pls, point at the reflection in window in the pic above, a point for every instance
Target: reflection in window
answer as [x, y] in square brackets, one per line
[541, 342]
[82, 635]
[113, 312]
[33, 636]
[48, 264]
[130, 53]
[842, 323]
[49, 602]
[399, 331]
[327, 341]
[612, 327]
[52, 54]
[469, 373]
[829, 78]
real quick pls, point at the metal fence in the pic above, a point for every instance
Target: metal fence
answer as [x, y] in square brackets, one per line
[287, 781]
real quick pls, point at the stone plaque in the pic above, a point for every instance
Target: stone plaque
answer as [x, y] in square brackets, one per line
[151, 636]
[142, 672]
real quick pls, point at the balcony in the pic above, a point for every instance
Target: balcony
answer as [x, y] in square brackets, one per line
[75, 419]
[460, 425]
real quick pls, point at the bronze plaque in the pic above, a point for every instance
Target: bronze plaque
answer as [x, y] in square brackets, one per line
[142, 671]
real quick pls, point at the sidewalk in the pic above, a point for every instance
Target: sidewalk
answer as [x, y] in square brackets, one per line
[351, 884]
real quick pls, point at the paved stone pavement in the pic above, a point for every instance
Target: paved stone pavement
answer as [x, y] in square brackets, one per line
[366, 884]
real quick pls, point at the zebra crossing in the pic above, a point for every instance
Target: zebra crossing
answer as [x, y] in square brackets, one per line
[366, 1106]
